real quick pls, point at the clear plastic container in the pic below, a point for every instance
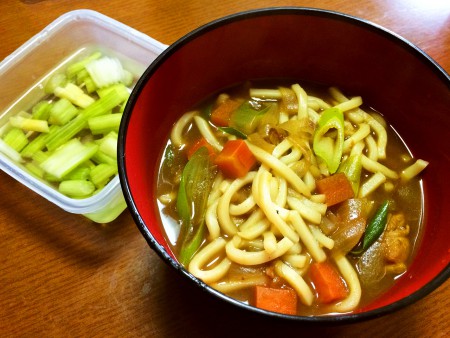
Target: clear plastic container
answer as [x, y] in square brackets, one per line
[22, 73]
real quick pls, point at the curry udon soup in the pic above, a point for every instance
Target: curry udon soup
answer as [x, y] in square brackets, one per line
[297, 202]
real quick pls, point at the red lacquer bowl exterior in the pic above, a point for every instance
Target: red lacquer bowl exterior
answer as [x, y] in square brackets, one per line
[392, 75]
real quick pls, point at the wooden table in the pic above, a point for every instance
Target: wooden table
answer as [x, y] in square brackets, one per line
[63, 276]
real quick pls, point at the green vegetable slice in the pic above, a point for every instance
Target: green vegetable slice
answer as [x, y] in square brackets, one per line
[233, 131]
[352, 168]
[41, 110]
[326, 144]
[195, 186]
[67, 157]
[38, 143]
[246, 118]
[16, 139]
[374, 229]
[76, 188]
[102, 106]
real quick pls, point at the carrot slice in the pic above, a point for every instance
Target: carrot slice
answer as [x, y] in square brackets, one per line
[276, 300]
[328, 283]
[201, 142]
[336, 188]
[235, 160]
[221, 115]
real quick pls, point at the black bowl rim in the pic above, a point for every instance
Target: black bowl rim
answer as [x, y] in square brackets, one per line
[159, 249]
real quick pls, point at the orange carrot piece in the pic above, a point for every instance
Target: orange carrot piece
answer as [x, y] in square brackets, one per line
[328, 283]
[336, 188]
[201, 142]
[276, 300]
[235, 160]
[221, 115]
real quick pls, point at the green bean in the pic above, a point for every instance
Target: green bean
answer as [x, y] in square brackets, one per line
[374, 229]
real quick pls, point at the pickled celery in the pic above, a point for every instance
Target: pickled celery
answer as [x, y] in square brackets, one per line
[69, 137]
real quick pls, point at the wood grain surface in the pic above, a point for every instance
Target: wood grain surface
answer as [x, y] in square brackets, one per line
[64, 276]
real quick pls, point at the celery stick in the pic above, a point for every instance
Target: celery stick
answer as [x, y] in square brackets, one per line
[10, 152]
[90, 85]
[101, 92]
[54, 81]
[80, 173]
[99, 107]
[89, 164]
[16, 139]
[104, 104]
[74, 68]
[108, 144]
[34, 169]
[62, 112]
[81, 76]
[29, 124]
[67, 157]
[76, 188]
[38, 143]
[106, 71]
[40, 156]
[101, 157]
[66, 132]
[51, 178]
[102, 173]
[5, 128]
[105, 123]
[41, 110]
[74, 94]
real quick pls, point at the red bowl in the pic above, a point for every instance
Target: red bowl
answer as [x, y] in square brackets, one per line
[310, 45]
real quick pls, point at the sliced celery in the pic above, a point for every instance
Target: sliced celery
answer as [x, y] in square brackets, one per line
[74, 94]
[105, 123]
[35, 169]
[89, 164]
[41, 110]
[62, 112]
[102, 173]
[56, 80]
[67, 157]
[106, 71]
[81, 76]
[76, 67]
[40, 156]
[9, 151]
[27, 124]
[16, 139]
[5, 128]
[99, 107]
[90, 85]
[51, 178]
[76, 188]
[108, 144]
[80, 173]
[66, 132]
[101, 92]
[101, 157]
[38, 143]
[58, 139]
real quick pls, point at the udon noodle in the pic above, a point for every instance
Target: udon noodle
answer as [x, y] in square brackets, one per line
[271, 224]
